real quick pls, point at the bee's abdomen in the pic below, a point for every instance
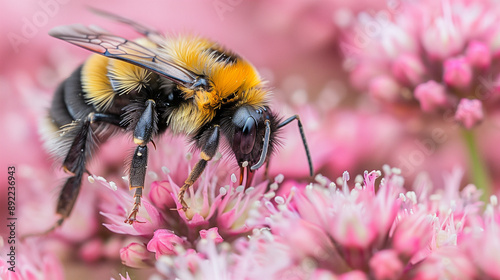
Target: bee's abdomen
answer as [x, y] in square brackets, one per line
[58, 112]
[69, 102]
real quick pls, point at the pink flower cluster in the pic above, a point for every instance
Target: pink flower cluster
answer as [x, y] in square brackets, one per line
[29, 260]
[325, 230]
[443, 54]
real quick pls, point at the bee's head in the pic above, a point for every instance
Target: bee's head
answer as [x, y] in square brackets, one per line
[253, 139]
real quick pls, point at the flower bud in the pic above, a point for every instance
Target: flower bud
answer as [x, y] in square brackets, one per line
[478, 54]
[212, 233]
[408, 69]
[386, 265]
[431, 95]
[457, 72]
[161, 195]
[384, 88]
[164, 242]
[469, 112]
[135, 255]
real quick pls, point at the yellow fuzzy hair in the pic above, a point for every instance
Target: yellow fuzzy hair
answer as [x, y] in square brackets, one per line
[127, 77]
[236, 82]
[95, 82]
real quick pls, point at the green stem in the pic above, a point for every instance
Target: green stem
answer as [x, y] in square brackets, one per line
[479, 171]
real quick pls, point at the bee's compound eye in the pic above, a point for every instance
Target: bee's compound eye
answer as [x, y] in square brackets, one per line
[248, 136]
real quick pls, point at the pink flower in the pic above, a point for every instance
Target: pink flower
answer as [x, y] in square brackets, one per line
[211, 234]
[469, 112]
[210, 263]
[441, 38]
[431, 95]
[456, 59]
[226, 207]
[31, 260]
[481, 244]
[410, 238]
[413, 234]
[445, 263]
[384, 88]
[149, 217]
[164, 242]
[160, 195]
[457, 72]
[386, 264]
[136, 255]
[408, 70]
[345, 223]
[478, 55]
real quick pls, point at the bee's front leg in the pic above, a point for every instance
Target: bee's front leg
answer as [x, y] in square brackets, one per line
[137, 177]
[143, 132]
[210, 144]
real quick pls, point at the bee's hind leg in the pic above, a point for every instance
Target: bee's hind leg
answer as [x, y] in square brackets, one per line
[75, 163]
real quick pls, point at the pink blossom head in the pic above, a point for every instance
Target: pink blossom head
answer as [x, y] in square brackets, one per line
[456, 60]
[317, 231]
[31, 259]
[342, 220]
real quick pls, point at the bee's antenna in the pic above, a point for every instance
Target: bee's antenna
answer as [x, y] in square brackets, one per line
[264, 148]
[302, 134]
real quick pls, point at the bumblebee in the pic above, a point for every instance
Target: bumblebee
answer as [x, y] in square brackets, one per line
[184, 84]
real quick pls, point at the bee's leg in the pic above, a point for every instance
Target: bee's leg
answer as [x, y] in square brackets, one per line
[210, 144]
[74, 163]
[143, 132]
[137, 177]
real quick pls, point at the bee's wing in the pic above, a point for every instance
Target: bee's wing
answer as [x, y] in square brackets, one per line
[152, 34]
[100, 41]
